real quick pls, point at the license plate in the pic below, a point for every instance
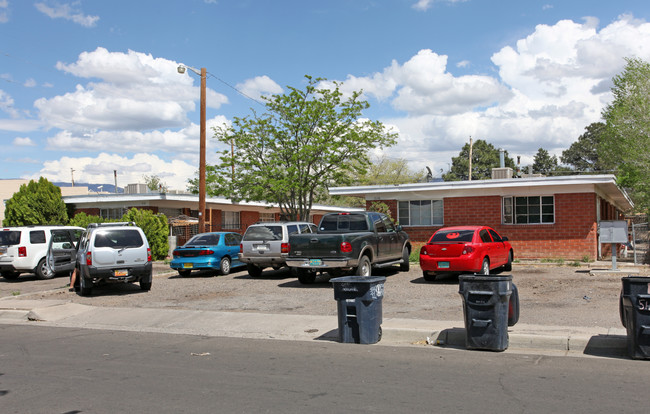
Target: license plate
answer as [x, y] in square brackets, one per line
[188, 265]
[315, 262]
[119, 273]
[263, 247]
[443, 265]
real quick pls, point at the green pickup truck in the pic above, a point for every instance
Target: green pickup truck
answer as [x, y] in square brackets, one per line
[346, 242]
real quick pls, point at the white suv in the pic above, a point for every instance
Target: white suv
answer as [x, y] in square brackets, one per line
[108, 253]
[23, 249]
[267, 244]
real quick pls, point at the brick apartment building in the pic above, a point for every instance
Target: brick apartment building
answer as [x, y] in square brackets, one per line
[543, 217]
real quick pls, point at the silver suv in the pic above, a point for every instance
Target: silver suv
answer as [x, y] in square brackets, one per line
[109, 253]
[23, 249]
[267, 244]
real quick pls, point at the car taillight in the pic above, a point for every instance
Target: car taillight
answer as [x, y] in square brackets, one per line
[89, 259]
[241, 248]
[148, 254]
[467, 249]
[346, 247]
[423, 250]
[205, 252]
[22, 251]
[175, 253]
[285, 247]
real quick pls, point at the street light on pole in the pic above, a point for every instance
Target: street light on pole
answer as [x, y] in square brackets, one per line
[202, 74]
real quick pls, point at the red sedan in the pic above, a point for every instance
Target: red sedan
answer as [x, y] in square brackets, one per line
[465, 249]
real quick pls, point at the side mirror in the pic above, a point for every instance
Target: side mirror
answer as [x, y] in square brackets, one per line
[398, 228]
[504, 239]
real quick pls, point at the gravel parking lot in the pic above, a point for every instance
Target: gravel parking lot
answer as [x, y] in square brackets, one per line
[549, 294]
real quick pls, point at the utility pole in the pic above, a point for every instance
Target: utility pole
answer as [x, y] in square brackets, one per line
[72, 176]
[470, 157]
[202, 156]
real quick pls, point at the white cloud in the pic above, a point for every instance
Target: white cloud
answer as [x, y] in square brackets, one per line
[66, 11]
[23, 142]
[551, 84]
[258, 86]
[29, 83]
[424, 5]
[129, 169]
[4, 16]
[135, 92]
[463, 64]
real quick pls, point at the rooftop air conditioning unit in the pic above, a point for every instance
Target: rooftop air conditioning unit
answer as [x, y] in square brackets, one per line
[501, 173]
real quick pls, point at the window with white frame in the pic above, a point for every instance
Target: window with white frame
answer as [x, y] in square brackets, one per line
[230, 220]
[528, 210]
[420, 213]
[111, 213]
[267, 217]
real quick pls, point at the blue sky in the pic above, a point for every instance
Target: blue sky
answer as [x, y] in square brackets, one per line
[92, 85]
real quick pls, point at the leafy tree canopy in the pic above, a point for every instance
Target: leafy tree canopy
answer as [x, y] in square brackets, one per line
[154, 227]
[543, 163]
[155, 183]
[626, 143]
[36, 203]
[307, 141]
[582, 155]
[484, 157]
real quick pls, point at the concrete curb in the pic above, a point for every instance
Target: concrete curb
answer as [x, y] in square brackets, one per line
[574, 341]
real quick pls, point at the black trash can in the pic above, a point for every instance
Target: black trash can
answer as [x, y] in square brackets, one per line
[486, 306]
[359, 308]
[635, 315]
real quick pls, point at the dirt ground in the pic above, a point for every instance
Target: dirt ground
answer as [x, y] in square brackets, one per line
[549, 294]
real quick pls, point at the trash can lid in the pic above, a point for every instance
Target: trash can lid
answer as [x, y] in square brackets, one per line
[485, 278]
[358, 279]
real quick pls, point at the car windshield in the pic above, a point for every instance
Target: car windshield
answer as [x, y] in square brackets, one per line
[344, 222]
[118, 239]
[9, 238]
[263, 233]
[452, 235]
[203, 240]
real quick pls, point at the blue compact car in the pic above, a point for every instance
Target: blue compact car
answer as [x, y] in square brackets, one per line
[216, 250]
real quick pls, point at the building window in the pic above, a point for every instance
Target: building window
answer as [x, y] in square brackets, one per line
[267, 217]
[111, 213]
[528, 210]
[420, 213]
[230, 220]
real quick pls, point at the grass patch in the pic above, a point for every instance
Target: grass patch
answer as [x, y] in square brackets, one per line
[15, 293]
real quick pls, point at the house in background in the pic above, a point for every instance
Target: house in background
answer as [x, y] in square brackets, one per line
[8, 187]
[543, 217]
[182, 210]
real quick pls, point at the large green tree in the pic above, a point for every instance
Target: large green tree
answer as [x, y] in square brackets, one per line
[582, 155]
[307, 140]
[37, 202]
[485, 156]
[544, 163]
[626, 143]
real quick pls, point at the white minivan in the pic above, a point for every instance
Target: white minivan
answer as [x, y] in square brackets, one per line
[23, 249]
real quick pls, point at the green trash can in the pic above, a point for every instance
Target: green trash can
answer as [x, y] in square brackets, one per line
[635, 315]
[359, 308]
[486, 309]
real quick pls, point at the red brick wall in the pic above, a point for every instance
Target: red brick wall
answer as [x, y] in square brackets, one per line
[572, 237]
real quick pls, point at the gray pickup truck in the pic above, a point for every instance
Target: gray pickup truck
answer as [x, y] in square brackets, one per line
[349, 242]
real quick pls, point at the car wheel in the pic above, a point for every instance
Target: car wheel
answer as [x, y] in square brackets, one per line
[85, 287]
[224, 266]
[42, 271]
[508, 266]
[513, 307]
[364, 268]
[11, 276]
[146, 286]
[184, 273]
[306, 277]
[405, 265]
[485, 267]
[429, 276]
[254, 271]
